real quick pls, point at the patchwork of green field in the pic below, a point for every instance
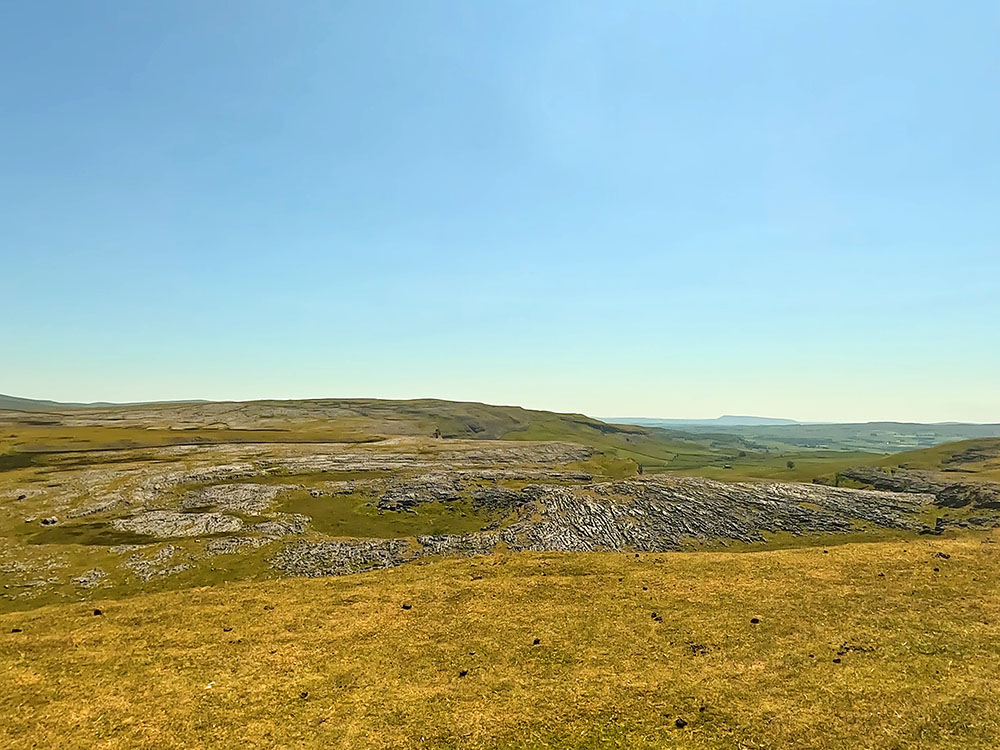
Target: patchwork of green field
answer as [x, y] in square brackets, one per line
[868, 437]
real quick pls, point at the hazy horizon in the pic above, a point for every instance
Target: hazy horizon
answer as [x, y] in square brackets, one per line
[683, 210]
[605, 417]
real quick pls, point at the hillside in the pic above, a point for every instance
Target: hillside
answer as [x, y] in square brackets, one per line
[879, 646]
[568, 583]
[112, 501]
[871, 437]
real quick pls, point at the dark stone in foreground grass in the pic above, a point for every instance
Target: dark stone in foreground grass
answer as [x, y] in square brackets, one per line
[680, 723]
[407, 606]
[98, 613]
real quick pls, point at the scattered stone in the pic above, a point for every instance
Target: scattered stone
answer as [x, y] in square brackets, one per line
[312, 559]
[407, 606]
[680, 723]
[51, 521]
[536, 641]
[91, 578]
[100, 507]
[463, 672]
[156, 565]
[754, 620]
[248, 498]
[228, 545]
[16, 630]
[304, 694]
[98, 613]
[120, 549]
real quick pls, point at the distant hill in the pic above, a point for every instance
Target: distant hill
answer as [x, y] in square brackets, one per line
[727, 420]
[13, 403]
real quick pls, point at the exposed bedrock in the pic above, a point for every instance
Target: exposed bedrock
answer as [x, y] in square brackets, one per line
[653, 514]
[947, 494]
[248, 498]
[166, 523]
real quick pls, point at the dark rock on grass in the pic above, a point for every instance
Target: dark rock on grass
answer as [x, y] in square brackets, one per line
[837, 660]
[947, 494]
[536, 641]
[16, 630]
[942, 555]
[656, 616]
[463, 673]
[49, 521]
[227, 629]
[407, 606]
[754, 620]
[680, 723]
[304, 694]
[98, 613]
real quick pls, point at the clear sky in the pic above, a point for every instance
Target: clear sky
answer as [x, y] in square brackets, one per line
[662, 208]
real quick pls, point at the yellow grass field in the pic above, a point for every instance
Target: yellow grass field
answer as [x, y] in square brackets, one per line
[628, 648]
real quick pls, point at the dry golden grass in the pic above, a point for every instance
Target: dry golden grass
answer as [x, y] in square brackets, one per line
[340, 662]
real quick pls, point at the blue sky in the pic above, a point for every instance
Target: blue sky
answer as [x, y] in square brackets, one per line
[661, 209]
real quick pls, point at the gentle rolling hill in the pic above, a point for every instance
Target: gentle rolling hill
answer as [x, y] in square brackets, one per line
[397, 574]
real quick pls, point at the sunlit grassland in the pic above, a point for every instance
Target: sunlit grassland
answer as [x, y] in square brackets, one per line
[626, 646]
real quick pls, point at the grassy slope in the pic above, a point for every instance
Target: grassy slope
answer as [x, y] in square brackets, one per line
[948, 459]
[27, 439]
[339, 663]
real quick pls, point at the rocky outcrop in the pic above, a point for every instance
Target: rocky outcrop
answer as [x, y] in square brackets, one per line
[166, 523]
[423, 489]
[248, 498]
[653, 514]
[947, 494]
[282, 525]
[314, 559]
